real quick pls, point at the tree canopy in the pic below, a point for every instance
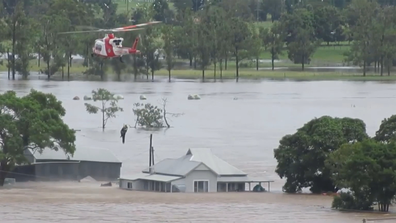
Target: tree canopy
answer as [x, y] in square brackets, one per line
[328, 154]
[301, 156]
[203, 32]
[31, 122]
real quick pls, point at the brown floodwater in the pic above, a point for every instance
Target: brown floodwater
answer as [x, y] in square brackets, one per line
[242, 122]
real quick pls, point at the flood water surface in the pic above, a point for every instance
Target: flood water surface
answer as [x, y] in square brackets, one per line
[242, 123]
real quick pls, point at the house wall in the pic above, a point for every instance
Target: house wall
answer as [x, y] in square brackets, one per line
[180, 184]
[64, 170]
[56, 171]
[23, 173]
[197, 175]
[136, 184]
[100, 171]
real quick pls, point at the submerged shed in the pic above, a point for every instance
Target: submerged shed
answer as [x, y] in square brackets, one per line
[51, 165]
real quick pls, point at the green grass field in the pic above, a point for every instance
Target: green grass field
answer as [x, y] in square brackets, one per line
[323, 55]
[244, 73]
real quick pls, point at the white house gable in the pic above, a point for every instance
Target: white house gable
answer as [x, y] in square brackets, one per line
[202, 167]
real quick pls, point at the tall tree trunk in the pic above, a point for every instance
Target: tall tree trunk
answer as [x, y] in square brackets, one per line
[221, 69]
[364, 68]
[226, 62]
[302, 63]
[257, 63]
[39, 58]
[8, 64]
[382, 66]
[169, 73]
[237, 64]
[215, 69]
[48, 68]
[272, 58]
[68, 67]
[13, 48]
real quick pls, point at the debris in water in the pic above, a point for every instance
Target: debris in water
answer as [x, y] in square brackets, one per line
[88, 179]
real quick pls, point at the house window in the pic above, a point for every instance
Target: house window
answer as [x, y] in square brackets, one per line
[201, 186]
[129, 185]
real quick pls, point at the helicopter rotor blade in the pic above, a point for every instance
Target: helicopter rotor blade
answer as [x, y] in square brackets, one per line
[101, 31]
[126, 30]
[119, 29]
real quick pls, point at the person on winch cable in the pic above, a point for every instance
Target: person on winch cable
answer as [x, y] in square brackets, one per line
[123, 133]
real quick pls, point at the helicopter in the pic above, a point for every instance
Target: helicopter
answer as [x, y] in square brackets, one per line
[111, 46]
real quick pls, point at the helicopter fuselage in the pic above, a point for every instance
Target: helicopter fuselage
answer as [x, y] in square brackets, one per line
[110, 48]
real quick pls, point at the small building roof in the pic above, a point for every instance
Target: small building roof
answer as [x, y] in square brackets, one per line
[81, 154]
[194, 157]
[161, 178]
[152, 177]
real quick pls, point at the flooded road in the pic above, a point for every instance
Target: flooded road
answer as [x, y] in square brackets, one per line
[242, 123]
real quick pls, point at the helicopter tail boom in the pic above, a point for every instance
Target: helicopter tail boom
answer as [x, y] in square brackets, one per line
[134, 46]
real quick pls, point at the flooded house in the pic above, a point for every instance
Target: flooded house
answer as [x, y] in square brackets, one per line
[199, 170]
[51, 165]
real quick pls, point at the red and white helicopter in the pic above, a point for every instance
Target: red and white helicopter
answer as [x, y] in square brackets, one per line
[111, 46]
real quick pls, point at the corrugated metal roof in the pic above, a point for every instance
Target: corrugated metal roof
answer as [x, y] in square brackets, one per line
[81, 154]
[134, 177]
[161, 178]
[152, 177]
[178, 167]
[218, 165]
[190, 161]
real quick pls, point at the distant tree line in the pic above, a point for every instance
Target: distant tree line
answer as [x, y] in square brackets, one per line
[204, 32]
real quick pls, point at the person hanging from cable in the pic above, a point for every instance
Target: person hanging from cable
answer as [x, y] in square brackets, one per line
[123, 133]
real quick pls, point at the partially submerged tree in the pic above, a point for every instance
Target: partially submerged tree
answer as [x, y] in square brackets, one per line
[31, 122]
[109, 105]
[367, 170]
[301, 156]
[150, 116]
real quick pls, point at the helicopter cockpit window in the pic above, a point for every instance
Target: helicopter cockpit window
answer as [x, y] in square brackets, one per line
[98, 47]
[117, 42]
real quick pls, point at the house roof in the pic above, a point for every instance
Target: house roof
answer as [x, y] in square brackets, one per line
[219, 166]
[194, 157]
[152, 177]
[177, 167]
[81, 154]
